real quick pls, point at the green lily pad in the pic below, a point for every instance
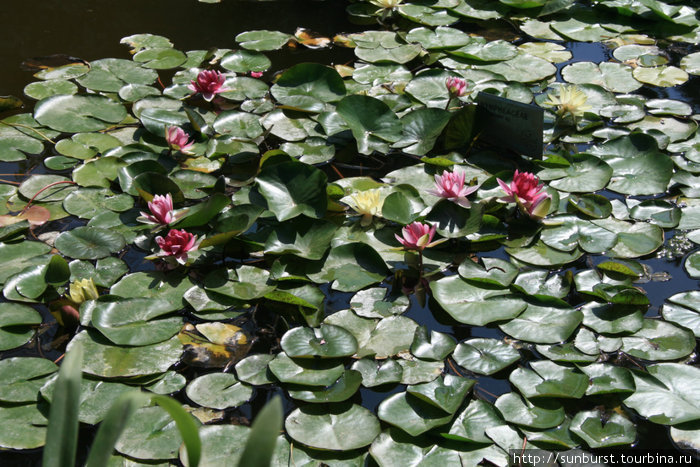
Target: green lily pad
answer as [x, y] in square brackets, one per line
[549, 379]
[308, 87]
[262, 40]
[540, 414]
[542, 255]
[253, 370]
[347, 385]
[104, 359]
[389, 337]
[75, 113]
[584, 174]
[374, 303]
[89, 243]
[607, 379]
[17, 324]
[658, 340]
[111, 74]
[328, 341]
[434, 346]
[96, 397]
[378, 372]
[218, 391]
[237, 124]
[543, 325]
[494, 271]
[667, 394]
[25, 427]
[664, 76]
[485, 356]
[614, 77]
[243, 61]
[88, 202]
[43, 89]
[160, 58]
[415, 371]
[475, 305]
[136, 321]
[684, 309]
[446, 393]
[412, 414]
[305, 371]
[150, 434]
[339, 427]
[609, 319]
[293, 188]
[23, 377]
[301, 237]
[373, 124]
[471, 423]
[243, 283]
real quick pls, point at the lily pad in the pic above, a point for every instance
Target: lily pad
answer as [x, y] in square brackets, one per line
[666, 394]
[102, 358]
[485, 356]
[218, 391]
[17, 324]
[76, 113]
[328, 341]
[338, 427]
[411, 414]
[89, 243]
[539, 414]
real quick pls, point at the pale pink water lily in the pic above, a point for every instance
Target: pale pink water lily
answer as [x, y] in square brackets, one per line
[176, 244]
[208, 84]
[416, 236]
[457, 87]
[256, 74]
[527, 191]
[178, 140]
[450, 185]
[161, 210]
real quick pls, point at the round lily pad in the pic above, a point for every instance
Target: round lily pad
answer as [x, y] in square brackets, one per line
[17, 323]
[485, 356]
[23, 377]
[338, 427]
[102, 358]
[89, 243]
[218, 391]
[74, 113]
[326, 342]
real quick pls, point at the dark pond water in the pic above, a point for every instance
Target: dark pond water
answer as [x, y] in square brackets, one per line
[92, 29]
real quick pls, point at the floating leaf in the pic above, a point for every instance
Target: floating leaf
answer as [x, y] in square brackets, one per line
[667, 394]
[485, 356]
[338, 427]
[218, 391]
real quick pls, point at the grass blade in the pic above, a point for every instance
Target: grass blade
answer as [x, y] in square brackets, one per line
[263, 436]
[62, 432]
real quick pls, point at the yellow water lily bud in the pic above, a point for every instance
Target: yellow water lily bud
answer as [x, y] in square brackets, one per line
[83, 290]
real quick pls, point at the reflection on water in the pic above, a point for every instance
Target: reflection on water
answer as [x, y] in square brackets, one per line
[91, 29]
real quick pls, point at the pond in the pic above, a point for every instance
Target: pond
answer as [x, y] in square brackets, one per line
[221, 207]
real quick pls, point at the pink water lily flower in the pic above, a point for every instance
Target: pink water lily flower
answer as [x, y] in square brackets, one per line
[161, 210]
[457, 87]
[178, 140]
[208, 84]
[256, 74]
[177, 243]
[416, 236]
[450, 185]
[527, 191]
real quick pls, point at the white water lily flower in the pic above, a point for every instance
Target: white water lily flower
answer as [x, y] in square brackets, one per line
[368, 203]
[571, 100]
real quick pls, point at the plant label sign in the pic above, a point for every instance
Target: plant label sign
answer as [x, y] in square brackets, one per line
[511, 124]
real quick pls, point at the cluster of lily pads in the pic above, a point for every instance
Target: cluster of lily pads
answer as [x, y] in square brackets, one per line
[343, 209]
